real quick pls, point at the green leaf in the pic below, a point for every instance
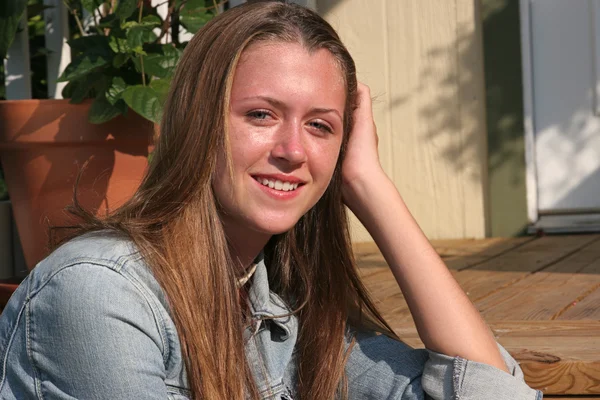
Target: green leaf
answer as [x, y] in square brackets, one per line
[149, 21]
[192, 20]
[138, 35]
[92, 45]
[139, 50]
[159, 65]
[119, 45]
[81, 88]
[171, 51]
[86, 87]
[125, 8]
[11, 12]
[90, 5]
[102, 111]
[81, 66]
[113, 94]
[111, 21]
[68, 90]
[192, 5]
[119, 60]
[161, 87]
[35, 26]
[143, 100]
[122, 106]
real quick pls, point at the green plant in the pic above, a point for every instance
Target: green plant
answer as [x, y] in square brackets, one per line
[37, 51]
[127, 56]
[11, 12]
[37, 48]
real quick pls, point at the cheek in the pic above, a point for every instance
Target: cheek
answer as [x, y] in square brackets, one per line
[247, 145]
[326, 159]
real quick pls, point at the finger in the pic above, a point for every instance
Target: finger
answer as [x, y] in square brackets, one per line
[376, 134]
[365, 109]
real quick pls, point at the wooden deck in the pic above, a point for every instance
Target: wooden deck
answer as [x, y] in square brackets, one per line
[540, 296]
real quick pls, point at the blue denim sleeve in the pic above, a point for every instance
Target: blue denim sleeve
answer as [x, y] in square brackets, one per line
[92, 334]
[382, 368]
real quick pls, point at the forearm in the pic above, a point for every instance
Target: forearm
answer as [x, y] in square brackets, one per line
[446, 319]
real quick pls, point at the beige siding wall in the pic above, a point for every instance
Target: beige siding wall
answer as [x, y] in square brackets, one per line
[423, 62]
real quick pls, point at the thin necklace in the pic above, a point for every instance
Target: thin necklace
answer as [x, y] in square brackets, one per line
[247, 275]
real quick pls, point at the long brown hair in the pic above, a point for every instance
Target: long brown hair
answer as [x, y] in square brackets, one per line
[174, 220]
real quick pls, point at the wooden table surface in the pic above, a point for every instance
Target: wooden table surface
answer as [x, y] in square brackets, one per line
[540, 296]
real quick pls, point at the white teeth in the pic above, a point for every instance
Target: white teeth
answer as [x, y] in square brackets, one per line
[278, 185]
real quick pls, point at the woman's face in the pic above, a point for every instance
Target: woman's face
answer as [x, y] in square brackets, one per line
[285, 133]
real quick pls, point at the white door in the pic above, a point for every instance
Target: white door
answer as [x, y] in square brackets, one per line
[564, 78]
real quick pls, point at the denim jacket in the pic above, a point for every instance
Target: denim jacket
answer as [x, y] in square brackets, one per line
[91, 322]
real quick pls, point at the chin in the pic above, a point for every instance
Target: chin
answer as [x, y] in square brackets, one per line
[273, 228]
[276, 230]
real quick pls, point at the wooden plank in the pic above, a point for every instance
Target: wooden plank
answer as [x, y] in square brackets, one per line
[364, 252]
[547, 294]
[456, 253]
[587, 307]
[557, 357]
[558, 364]
[382, 284]
[478, 284]
[544, 298]
[538, 254]
[489, 246]
[368, 255]
[573, 329]
[508, 269]
[534, 329]
[517, 264]
[467, 253]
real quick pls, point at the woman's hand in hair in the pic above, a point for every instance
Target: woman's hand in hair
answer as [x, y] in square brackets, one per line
[361, 164]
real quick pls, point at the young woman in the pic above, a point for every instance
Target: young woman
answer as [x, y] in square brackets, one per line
[229, 274]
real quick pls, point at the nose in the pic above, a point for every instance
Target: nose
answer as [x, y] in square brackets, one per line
[289, 145]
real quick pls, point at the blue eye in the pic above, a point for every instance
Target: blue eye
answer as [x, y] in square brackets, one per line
[321, 127]
[259, 114]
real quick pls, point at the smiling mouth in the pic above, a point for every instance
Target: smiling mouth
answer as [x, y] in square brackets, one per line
[276, 184]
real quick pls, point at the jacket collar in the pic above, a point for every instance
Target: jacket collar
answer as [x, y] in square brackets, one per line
[265, 304]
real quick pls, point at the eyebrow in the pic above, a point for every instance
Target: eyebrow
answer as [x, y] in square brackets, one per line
[282, 105]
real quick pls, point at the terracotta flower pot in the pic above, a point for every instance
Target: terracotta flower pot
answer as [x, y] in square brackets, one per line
[44, 144]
